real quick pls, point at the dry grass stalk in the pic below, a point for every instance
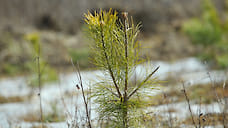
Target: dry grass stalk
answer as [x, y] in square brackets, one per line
[189, 106]
[169, 112]
[219, 101]
[86, 101]
[39, 84]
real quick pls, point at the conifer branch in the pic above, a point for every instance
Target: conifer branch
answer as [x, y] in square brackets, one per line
[111, 91]
[107, 61]
[144, 81]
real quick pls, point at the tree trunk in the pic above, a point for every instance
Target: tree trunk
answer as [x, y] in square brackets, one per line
[125, 114]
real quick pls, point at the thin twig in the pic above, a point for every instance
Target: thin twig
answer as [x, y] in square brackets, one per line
[167, 105]
[189, 106]
[213, 86]
[39, 84]
[145, 80]
[225, 107]
[83, 94]
[111, 91]
[219, 101]
[200, 115]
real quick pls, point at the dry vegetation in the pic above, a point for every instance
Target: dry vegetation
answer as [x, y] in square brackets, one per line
[200, 94]
[195, 92]
[13, 99]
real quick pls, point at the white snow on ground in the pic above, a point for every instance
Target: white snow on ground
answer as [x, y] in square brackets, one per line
[189, 70]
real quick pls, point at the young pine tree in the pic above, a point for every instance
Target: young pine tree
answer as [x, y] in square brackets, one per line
[114, 50]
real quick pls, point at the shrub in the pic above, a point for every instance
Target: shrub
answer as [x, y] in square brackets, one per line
[210, 32]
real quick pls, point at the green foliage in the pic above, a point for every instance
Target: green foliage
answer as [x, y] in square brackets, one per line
[113, 41]
[202, 32]
[47, 73]
[13, 55]
[35, 40]
[211, 32]
[114, 50]
[223, 60]
[10, 69]
[80, 56]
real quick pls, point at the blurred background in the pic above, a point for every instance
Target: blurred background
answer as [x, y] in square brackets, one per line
[172, 30]
[59, 25]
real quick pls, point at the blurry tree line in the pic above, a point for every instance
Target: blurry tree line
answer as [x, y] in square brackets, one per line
[67, 14]
[210, 31]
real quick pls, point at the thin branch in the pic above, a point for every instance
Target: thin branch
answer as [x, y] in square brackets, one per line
[108, 64]
[111, 91]
[219, 101]
[214, 89]
[83, 94]
[200, 114]
[167, 105]
[189, 106]
[145, 80]
[225, 125]
[125, 14]
[39, 84]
